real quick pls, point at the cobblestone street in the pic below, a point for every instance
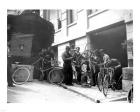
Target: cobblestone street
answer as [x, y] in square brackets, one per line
[43, 92]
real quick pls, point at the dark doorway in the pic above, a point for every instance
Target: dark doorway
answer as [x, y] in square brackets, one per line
[111, 39]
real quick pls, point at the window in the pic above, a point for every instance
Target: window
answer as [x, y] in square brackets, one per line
[91, 11]
[71, 16]
[55, 18]
[21, 47]
[72, 47]
[59, 23]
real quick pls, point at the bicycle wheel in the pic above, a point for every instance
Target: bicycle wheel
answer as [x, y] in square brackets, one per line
[21, 75]
[100, 81]
[105, 84]
[56, 75]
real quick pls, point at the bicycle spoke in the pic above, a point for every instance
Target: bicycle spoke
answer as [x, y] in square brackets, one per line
[105, 85]
[100, 81]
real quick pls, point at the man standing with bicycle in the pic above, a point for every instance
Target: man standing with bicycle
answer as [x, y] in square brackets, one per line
[113, 63]
[116, 65]
[100, 58]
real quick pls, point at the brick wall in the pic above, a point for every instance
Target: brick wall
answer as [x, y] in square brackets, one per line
[21, 46]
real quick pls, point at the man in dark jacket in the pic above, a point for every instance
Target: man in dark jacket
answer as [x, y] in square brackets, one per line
[67, 67]
[9, 74]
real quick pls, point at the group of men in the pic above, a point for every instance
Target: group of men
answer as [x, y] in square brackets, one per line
[100, 57]
[74, 57]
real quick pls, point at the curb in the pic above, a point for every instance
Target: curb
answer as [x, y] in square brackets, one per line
[121, 98]
[79, 93]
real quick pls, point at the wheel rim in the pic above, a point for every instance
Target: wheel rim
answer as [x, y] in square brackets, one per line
[105, 85]
[56, 76]
[99, 81]
[20, 76]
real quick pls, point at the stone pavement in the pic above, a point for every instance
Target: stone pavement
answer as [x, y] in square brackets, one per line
[42, 92]
[95, 95]
[37, 91]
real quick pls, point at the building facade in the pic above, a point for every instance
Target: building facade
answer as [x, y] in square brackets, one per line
[107, 29]
[27, 34]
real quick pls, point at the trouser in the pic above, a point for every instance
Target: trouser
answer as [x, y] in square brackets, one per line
[95, 75]
[87, 77]
[9, 74]
[68, 76]
[117, 78]
[78, 70]
[117, 74]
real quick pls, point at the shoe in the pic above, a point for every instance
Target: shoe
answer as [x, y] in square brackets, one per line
[69, 84]
[78, 83]
[11, 86]
[93, 84]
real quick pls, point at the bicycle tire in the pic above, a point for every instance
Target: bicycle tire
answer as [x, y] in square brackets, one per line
[56, 75]
[20, 75]
[100, 81]
[105, 85]
[130, 96]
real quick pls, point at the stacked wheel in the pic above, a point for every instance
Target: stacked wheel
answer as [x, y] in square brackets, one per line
[20, 75]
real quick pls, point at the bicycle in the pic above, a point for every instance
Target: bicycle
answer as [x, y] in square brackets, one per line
[100, 76]
[55, 72]
[22, 74]
[108, 82]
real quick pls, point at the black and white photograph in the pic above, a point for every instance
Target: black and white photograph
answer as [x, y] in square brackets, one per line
[70, 55]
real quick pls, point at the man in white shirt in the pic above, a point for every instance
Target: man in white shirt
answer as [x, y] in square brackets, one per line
[105, 56]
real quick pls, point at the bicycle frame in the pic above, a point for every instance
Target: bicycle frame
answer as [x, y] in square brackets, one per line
[42, 65]
[42, 69]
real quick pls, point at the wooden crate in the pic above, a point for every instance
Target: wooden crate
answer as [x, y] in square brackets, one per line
[31, 68]
[126, 85]
[127, 73]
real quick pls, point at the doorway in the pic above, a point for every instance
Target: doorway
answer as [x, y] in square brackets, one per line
[111, 40]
